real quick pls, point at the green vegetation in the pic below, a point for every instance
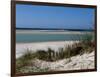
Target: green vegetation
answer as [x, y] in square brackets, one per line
[29, 69]
[86, 45]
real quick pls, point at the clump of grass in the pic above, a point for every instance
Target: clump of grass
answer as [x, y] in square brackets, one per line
[88, 43]
[24, 60]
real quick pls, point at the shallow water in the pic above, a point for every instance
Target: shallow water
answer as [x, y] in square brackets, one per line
[45, 36]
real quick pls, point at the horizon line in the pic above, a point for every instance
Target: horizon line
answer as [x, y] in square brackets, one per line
[55, 29]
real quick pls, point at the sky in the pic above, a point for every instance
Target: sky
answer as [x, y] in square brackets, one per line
[39, 16]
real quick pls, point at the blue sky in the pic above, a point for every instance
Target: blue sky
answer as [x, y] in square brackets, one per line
[37, 16]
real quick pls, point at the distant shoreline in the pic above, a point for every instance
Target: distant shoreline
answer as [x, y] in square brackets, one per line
[48, 32]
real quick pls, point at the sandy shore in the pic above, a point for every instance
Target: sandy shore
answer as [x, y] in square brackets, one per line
[22, 47]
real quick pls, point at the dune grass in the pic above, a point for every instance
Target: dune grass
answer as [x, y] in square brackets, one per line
[86, 45]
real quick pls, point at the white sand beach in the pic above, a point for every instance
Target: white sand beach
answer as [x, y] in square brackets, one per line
[22, 47]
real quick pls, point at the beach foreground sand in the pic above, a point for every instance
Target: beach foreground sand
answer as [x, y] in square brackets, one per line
[22, 47]
[79, 62]
[85, 61]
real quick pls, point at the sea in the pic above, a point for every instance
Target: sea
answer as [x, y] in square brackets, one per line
[28, 36]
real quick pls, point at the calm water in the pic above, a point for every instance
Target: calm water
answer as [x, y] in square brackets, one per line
[40, 37]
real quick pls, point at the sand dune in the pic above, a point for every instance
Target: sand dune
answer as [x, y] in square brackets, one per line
[85, 61]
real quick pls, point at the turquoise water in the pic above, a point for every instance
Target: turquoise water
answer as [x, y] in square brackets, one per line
[38, 37]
